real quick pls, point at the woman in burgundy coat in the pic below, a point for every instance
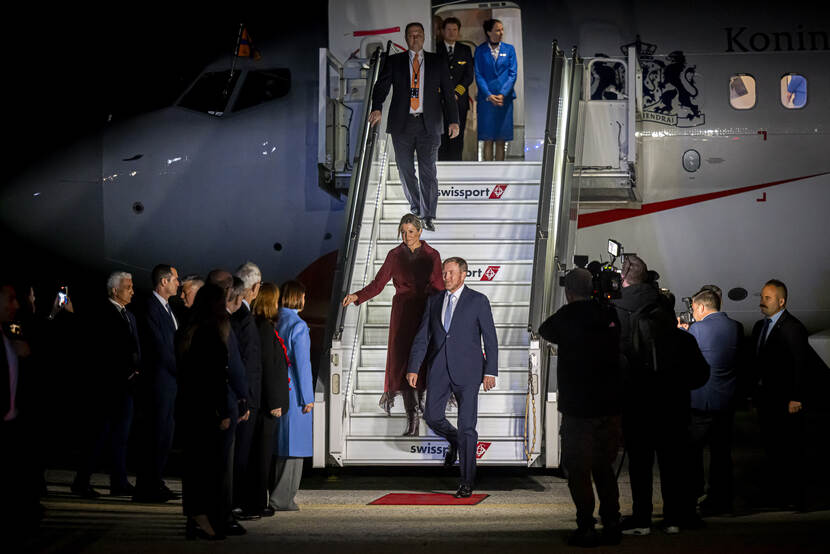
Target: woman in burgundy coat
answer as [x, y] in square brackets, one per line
[415, 270]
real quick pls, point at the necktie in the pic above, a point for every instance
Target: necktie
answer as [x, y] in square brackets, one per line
[127, 319]
[764, 331]
[414, 100]
[169, 311]
[448, 312]
[450, 53]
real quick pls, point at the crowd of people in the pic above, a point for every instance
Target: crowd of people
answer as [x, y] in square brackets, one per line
[222, 362]
[630, 372]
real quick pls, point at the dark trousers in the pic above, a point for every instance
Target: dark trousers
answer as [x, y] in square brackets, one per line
[241, 455]
[203, 469]
[420, 191]
[452, 150]
[784, 440]
[19, 483]
[465, 438]
[713, 429]
[113, 424]
[589, 448]
[157, 426]
[256, 485]
[228, 441]
[647, 435]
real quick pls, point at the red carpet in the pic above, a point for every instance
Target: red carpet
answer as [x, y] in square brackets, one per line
[426, 499]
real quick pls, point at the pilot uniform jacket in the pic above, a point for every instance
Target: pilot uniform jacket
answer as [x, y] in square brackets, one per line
[459, 350]
[718, 338]
[461, 72]
[788, 367]
[439, 102]
[295, 428]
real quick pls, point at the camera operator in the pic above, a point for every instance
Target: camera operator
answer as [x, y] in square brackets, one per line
[588, 376]
[713, 404]
[661, 364]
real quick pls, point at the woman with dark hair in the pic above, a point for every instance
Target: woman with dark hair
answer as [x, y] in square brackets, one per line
[274, 402]
[294, 433]
[202, 359]
[415, 270]
[496, 71]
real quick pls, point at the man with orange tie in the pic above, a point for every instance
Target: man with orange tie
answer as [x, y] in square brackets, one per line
[422, 96]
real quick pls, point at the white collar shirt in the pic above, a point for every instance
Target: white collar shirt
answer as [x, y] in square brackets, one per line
[494, 50]
[421, 77]
[166, 305]
[455, 296]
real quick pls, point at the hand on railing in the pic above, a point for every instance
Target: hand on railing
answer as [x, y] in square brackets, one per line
[350, 298]
[374, 117]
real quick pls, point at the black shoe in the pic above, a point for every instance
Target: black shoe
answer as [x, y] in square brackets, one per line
[668, 526]
[412, 424]
[429, 224]
[192, 531]
[247, 516]
[629, 525]
[125, 490]
[611, 534]
[84, 491]
[234, 528]
[267, 512]
[451, 456]
[464, 491]
[586, 537]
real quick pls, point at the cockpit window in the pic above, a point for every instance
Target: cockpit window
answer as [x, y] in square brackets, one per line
[211, 92]
[793, 91]
[262, 86]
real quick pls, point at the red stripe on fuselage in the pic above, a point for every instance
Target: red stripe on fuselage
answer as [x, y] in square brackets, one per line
[609, 216]
[376, 32]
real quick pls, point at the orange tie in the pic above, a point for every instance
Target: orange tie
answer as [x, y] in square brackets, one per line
[414, 101]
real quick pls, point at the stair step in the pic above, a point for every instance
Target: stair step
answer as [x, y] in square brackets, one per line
[418, 450]
[484, 210]
[507, 334]
[489, 402]
[509, 379]
[509, 356]
[469, 228]
[372, 425]
[480, 249]
[480, 190]
[505, 270]
[474, 171]
[503, 313]
[496, 291]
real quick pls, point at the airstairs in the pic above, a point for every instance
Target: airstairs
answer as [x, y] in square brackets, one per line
[514, 222]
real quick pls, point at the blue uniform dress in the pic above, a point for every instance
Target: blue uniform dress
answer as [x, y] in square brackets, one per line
[495, 77]
[294, 432]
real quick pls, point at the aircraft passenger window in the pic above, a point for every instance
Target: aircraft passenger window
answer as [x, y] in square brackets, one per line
[742, 92]
[607, 80]
[262, 86]
[793, 91]
[210, 93]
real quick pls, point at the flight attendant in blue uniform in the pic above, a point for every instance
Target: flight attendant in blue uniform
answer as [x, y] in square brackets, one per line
[496, 71]
[294, 434]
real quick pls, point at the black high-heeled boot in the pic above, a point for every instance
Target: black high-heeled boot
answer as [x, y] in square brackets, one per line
[412, 419]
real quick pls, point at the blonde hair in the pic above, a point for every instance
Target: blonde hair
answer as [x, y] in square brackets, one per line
[267, 302]
[293, 295]
[411, 219]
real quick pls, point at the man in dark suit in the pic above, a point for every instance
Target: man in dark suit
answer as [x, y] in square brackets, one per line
[112, 377]
[713, 406]
[459, 59]
[157, 329]
[788, 394]
[449, 338]
[422, 97]
[250, 350]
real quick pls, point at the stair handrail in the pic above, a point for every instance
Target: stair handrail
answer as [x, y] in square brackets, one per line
[354, 205]
[543, 216]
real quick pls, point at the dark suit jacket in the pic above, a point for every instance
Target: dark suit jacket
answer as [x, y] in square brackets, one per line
[460, 348]
[119, 353]
[789, 369]
[438, 98]
[157, 333]
[274, 367]
[246, 332]
[238, 389]
[461, 71]
[718, 338]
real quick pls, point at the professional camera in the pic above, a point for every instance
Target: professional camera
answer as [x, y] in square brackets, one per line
[686, 316]
[607, 278]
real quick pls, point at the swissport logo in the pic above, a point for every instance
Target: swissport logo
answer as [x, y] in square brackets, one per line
[490, 272]
[498, 192]
[481, 448]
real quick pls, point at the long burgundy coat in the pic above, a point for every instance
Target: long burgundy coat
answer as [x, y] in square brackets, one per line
[415, 275]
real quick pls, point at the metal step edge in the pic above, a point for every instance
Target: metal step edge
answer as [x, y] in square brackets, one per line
[403, 202]
[467, 221]
[380, 392]
[379, 369]
[382, 347]
[460, 241]
[385, 303]
[477, 181]
[399, 462]
[488, 415]
[498, 325]
[398, 438]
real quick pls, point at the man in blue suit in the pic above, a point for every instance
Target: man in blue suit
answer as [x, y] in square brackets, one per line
[712, 404]
[157, 332]
[449, 337]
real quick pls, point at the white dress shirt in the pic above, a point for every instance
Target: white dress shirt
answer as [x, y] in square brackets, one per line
[495, 51]
[421, 75]
[455, 296]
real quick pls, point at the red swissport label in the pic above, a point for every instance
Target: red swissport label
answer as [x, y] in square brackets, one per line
[481, 448]
[490, 272]
[498, 192]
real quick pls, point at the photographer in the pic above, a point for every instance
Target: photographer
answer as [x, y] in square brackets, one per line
[712, 404]
[661, 364]
[588, 375]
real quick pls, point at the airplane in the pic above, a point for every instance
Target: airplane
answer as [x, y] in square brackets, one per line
[731, 189]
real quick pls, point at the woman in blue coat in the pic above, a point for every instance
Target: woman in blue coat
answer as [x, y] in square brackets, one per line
[294, 434]
[496, 71]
